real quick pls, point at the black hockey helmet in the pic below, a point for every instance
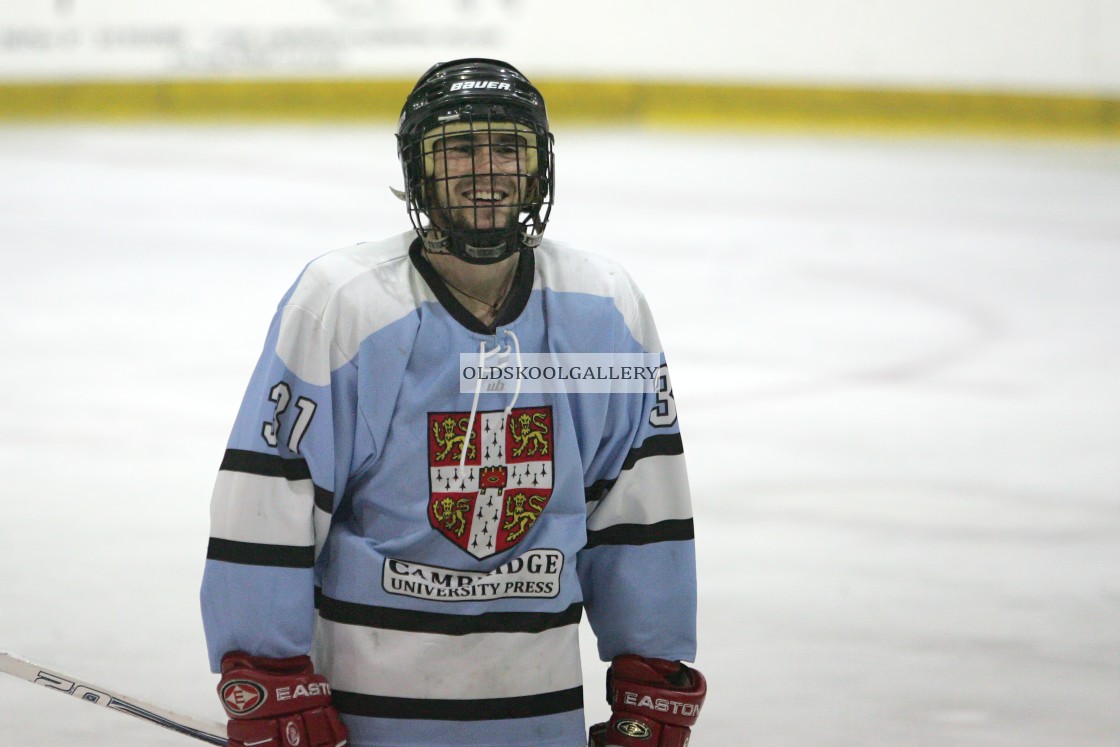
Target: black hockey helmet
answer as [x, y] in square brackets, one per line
[476, 152]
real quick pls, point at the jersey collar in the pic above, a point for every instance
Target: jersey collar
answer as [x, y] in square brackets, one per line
[511, 307]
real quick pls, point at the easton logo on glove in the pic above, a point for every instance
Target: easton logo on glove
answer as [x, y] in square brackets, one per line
[661, 705]
[241, 697]
[633, 729]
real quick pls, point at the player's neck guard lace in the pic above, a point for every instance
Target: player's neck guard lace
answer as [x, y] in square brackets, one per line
[514, 347]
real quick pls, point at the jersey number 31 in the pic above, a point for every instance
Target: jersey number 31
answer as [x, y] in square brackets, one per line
[281, 395]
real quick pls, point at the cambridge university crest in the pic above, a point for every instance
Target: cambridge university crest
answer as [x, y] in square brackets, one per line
[490, 504]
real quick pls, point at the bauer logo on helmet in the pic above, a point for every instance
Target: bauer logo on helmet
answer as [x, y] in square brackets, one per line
[466, 85]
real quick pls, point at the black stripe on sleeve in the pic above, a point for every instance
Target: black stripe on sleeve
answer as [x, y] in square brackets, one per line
[414, 621]
[252, 553]
[661, 445]
[668, 444]
[671, 530]
[324, 500]
[268, 465]
[598, 490]
[271, 465]
[483, 709]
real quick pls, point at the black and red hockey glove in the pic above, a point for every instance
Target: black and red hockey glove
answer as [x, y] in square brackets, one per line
[278, 703]
[655, 703]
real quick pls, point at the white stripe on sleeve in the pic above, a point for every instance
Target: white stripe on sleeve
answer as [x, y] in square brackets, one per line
[263, 510]
[655, 489]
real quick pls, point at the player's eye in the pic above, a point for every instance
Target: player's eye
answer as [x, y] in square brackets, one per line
[454, 148]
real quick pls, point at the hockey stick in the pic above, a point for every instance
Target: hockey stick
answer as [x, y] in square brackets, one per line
[207, 731]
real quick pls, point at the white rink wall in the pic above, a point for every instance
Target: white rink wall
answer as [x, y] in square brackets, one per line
[1070, 46]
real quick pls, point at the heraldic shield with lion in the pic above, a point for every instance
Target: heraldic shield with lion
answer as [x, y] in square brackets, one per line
[490, 503]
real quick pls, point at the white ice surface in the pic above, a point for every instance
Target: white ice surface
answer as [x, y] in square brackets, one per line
[897, 365]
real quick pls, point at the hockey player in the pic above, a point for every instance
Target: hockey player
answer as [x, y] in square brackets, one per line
[394, 562]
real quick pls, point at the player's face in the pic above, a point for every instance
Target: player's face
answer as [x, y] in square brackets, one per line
[480, 178]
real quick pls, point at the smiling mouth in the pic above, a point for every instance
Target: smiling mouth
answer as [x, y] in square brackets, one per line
[486, 197]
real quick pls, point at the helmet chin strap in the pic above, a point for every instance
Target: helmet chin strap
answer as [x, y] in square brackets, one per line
[475, 247]
[504, 244]
[474, 250]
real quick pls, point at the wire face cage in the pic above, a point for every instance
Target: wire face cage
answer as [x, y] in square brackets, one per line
[478, 161]
[487, 184]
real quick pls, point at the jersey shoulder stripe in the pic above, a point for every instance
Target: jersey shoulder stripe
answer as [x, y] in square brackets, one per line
[328, 276]
[328, 313]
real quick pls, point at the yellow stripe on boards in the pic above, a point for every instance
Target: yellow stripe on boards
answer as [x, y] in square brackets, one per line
[304, 100]
[570, 102]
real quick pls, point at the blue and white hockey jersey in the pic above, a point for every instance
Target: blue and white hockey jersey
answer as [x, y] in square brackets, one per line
[441, 593]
